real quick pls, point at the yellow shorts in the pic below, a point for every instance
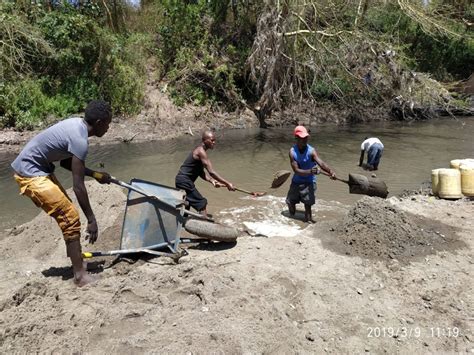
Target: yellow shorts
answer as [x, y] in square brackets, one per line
[47, 193]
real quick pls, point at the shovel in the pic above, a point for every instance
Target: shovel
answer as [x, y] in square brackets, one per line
[253, 193]
[363, 185]
[358, 184]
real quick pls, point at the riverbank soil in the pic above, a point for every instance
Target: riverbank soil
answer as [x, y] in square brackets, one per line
[389, 276]
[159, 119]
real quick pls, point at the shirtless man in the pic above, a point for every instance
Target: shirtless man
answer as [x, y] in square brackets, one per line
[198, 164]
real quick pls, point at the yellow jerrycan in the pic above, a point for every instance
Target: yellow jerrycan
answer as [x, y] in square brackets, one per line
[435, 181]
[449, 185]
[467, 179]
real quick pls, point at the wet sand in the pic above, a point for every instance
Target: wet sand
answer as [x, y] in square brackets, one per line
[343, 285]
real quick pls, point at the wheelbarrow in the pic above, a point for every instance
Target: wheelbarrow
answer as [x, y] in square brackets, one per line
[155, 215]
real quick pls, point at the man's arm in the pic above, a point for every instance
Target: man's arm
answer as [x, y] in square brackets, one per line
[323, 165]
[78, 172]
[100, 176]
[205, 176]
[206, 162]
[361, 159]
[297, 170]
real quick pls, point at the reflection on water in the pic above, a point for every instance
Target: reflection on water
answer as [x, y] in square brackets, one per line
[248, 158]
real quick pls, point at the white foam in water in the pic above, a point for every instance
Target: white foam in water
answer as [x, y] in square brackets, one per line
[264, 198]
[241, 210]
[273, 229]
[264, 218]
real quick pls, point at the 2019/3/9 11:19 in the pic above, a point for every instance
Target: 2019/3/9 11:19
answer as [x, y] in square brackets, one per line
[412, 332]
[448, 332]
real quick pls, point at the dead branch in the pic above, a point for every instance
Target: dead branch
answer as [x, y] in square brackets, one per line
[301, 47]
[429, 23]
[19, 45]
[322, 33]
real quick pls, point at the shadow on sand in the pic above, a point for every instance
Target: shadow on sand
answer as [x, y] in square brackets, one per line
[65, 272]
[209, 245]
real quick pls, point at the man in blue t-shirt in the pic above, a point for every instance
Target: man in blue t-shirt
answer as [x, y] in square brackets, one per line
[305, 163]
[66, 142]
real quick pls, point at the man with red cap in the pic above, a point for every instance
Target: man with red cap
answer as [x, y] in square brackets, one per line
[305, 163]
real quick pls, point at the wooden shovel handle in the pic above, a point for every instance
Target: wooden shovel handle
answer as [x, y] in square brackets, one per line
[244, 191]
[327, 174]
[250, 193]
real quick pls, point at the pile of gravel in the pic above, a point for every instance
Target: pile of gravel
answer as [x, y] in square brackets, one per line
[376, 229]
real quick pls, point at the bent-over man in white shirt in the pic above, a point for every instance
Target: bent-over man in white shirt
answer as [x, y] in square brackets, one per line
[374, 148]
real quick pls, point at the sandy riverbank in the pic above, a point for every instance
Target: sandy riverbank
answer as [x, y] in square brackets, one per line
[390, 276]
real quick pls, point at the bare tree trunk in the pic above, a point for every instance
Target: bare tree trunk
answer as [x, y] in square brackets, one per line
[109, 15]
[115, 15]
[267, 64]
[361, 10]
[262, 115]
[235, 10]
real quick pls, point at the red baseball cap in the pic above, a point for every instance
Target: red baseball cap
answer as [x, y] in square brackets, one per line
[300, 131]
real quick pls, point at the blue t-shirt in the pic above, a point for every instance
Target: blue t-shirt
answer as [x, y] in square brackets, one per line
[305, 162]
[58, 142]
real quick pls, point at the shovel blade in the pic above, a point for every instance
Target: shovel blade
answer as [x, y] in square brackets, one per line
[363, 185]
[280, 178]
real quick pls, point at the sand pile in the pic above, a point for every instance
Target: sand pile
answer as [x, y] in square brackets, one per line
[375, 228]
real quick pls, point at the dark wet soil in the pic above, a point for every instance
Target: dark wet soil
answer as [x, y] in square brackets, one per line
[375, 229]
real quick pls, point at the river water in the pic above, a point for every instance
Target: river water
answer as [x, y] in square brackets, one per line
[248, 158]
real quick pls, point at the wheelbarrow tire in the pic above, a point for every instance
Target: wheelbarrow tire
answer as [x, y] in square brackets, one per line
[212, 231]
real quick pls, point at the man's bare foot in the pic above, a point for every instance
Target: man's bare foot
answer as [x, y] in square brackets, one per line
[205, 214]
[85, 278]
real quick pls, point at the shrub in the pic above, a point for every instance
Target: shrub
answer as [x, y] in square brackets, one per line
[65, 58]
[124, 88]
[23, 104]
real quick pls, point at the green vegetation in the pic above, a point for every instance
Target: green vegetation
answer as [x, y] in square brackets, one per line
[55, 57]
[202, 54]
[54, 60]
[440, 53]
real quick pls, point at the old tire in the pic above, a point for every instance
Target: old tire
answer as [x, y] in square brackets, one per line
[212, 231]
